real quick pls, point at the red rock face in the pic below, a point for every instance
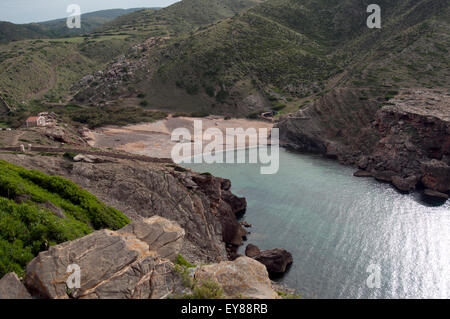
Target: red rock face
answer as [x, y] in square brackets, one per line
[392, 142]
[415, 130]
[436, 176]
[226, 206]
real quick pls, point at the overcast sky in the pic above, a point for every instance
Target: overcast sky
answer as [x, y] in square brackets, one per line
[25, 11]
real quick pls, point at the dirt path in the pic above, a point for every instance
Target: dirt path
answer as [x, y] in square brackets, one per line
[15, 138]
[39, 149]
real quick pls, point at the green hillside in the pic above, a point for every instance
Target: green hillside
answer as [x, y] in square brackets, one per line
[45, 69]
[58, 28]
[291, 50]
[38, 211]
[181, 17]
[239, 57]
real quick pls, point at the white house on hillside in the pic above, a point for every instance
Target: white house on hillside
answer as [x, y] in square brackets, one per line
[33, 121]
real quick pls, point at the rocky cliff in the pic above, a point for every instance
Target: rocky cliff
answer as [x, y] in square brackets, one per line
[203, 205]
[136, 262]
[403, 139]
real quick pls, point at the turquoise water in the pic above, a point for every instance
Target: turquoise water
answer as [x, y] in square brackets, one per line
[336, 226]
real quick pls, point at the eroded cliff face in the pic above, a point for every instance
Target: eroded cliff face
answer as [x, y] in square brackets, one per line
[405, 141]
[338, 124]
[201, 204]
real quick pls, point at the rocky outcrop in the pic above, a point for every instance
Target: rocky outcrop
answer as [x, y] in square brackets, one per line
[331, 124]
[200, 204]
[87, 158]
[276, 260]
[252, 251]
[405, 184]
[161, 235]
[243, 277]
[111, 265]
[12, 288]
[436, 175]
[225, 205]
[435, 194]
[363, 173]
[130, 264]
[406, 142]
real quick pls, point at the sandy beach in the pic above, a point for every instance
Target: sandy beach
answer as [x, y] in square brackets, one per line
[154, 139]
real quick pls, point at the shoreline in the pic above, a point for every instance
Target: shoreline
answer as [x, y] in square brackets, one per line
[154, 139]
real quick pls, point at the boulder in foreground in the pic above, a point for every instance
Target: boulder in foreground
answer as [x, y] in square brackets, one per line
[162, 235]
[12, 288]
[112, 266]
[243, 277]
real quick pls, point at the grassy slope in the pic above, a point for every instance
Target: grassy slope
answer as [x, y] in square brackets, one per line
[27, 226]
[179, 18]
[58, 28]
[303, 48]
[47, 69]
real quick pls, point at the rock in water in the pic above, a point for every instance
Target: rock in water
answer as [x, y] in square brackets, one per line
[436, 175]
[244, 277]
[162, 235]
[252, 251]
[112, 266]
[362, 173]
[405, 184]
[435, 194]
[275, 260]
[12, 288]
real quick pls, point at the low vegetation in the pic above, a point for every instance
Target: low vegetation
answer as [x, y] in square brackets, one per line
[38, 211]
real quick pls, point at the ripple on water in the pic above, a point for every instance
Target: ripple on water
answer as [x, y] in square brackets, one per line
[336, 225]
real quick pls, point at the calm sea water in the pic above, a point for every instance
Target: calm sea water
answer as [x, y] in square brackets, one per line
[336, 226]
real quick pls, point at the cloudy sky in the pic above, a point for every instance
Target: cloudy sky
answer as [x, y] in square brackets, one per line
[25, 11]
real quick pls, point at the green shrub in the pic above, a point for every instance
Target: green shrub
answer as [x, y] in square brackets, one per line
[207, 289]
[210, 91]
[277, 106]
[391, 95]
[192, 89]
[222, 95]
[76, 202]
[285, 295]
[183, 262]
[199, 114]
[27, 228]
[253, 115]
[69, 155]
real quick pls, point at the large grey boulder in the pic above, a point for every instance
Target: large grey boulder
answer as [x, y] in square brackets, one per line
[12, 288]
[163, 236]
[276, 260]
[243, 277]
[112, 265]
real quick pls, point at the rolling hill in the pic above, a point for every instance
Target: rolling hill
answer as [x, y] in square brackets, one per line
[58, 28]
[56, 64]
[287, 51]
[179, 18]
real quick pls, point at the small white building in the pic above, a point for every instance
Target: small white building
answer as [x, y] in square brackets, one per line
[33, 121]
